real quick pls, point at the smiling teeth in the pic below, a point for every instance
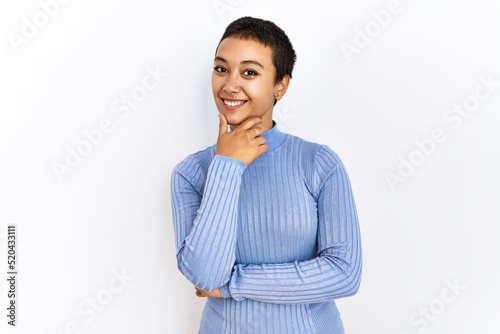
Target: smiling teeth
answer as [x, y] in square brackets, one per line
[233, 104]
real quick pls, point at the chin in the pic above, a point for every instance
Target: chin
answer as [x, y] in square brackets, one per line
[234, 118]
[233, 122]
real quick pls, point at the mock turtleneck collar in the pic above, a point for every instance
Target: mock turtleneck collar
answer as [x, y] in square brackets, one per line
[274, 137]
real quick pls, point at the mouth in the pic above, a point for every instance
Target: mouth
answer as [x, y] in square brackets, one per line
[233, 104]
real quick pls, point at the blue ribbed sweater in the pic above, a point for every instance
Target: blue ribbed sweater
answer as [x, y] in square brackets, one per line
[279, 238]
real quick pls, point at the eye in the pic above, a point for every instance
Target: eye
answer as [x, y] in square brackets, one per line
[250, 73]
[220, 69]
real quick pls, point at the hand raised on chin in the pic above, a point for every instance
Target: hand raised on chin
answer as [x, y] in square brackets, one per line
[245, 142]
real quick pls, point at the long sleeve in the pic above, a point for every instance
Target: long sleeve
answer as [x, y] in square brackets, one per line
[205, 212]
[336, 270]
[279, 237]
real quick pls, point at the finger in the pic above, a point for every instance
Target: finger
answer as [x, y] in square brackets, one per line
[257, 131]
[250, 123]
[200, 293]
[263, 148]
[261, 140]
[222, 125]
[253, 133]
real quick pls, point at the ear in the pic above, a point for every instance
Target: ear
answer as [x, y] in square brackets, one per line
[281, 87]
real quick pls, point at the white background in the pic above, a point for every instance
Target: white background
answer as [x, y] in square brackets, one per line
[112, 212]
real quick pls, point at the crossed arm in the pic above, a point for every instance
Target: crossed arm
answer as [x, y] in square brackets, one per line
[205, 227]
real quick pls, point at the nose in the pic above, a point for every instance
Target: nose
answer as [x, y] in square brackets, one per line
[231, 85]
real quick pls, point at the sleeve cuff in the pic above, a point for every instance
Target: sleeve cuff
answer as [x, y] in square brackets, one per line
[224, 291]
[230, 160]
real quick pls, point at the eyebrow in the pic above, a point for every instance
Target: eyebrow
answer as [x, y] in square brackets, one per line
[245, 62]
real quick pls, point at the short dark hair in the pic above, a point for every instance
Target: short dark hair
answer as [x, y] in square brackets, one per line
[269, 34]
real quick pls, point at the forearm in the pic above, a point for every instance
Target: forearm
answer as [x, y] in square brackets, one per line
[333, 274]
[336, 270]
[206, 246]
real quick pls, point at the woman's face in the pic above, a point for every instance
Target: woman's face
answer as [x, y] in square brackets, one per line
[243, 81]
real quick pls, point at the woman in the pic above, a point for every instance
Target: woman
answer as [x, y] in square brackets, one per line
[265, 222]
